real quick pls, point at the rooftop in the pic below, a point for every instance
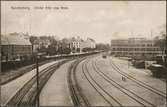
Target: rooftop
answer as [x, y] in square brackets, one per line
[14, 39]
[133, 39]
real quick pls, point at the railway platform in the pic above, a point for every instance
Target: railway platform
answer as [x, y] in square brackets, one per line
[55, 91]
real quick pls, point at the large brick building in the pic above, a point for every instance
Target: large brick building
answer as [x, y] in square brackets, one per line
[134, 47]
[15, 46]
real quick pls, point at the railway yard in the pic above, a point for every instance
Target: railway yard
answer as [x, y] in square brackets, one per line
[83, 53]
[86, 81]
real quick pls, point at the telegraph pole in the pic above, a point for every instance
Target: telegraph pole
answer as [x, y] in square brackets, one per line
[152, 53]
[37, 79]
[166, 51]
[133, 44]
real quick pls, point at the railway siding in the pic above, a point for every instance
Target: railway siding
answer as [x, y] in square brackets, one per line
[99, 75]
[144, 89]
[76, 94]
[10, 89]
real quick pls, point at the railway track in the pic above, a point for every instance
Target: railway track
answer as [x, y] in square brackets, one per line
[27, 94]
[76, 94]
[129, 93]
[95, 84]
[140, 83]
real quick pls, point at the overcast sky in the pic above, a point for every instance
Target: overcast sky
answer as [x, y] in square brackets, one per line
[103, 20]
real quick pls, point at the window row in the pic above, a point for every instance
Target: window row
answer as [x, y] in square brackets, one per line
[135, 49]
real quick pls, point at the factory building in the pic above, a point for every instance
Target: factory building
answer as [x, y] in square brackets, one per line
[134, 47]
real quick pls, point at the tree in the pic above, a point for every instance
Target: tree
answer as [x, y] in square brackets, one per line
[102, 46]
[51, 50]
[43, 49]
[32, 39]
[66, 51]
[87, 49]
[160, 40]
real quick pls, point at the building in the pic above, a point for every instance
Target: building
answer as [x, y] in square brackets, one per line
[75, 44]
[78, 44]
[134, 47]
[89, 43]
[40, 43]
[15, 46]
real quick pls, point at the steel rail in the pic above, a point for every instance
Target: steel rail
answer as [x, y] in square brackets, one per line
[86, 69]
[16, 99]
[120, 87]
[21, 93]
[141, 83]
[77, 96]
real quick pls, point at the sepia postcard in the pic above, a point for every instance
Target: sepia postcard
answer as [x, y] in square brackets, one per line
[83, 53]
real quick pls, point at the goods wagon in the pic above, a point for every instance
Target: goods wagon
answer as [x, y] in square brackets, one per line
[158, 70]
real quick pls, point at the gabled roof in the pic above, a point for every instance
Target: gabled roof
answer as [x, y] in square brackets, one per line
[14, 39]
[40, 41]
[92, 40]
[73, 39]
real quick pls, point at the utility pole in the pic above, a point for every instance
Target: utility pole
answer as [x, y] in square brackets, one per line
[152, 53]
[133, 44]
[37, 66]
[37, 78]
[166, 51]
[128, 63]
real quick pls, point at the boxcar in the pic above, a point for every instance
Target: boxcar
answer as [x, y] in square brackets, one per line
[158, 70]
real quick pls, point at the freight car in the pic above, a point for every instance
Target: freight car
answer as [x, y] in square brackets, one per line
[158, 70]
[138, 63]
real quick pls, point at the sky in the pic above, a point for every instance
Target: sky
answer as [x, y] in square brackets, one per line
[100, 20]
